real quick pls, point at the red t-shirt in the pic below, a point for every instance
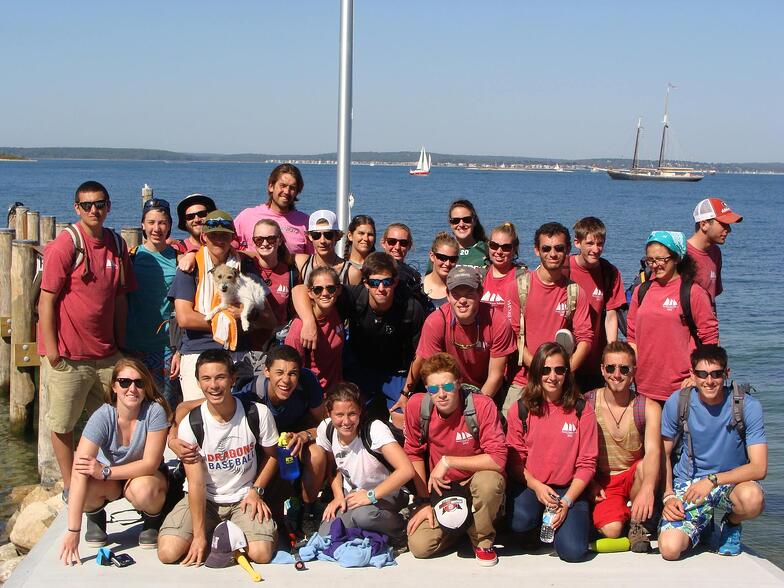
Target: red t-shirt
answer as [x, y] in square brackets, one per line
[501, 293]
[557, 448]
[663, 339]
[544, 316]
[278, 279]
[492, 337]
[708, 268]
[593, 282]
[84, 311]
[327, 361]
[450, 435]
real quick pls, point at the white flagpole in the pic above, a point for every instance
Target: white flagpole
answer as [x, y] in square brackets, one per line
[344, 115]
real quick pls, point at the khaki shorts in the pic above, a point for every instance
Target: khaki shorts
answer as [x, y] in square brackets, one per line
[179, 523]
[76, 385]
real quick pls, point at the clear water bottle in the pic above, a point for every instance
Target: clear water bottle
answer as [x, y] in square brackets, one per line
[287, 463]
[547, 534]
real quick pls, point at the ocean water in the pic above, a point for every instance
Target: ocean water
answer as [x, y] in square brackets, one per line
[749, 311]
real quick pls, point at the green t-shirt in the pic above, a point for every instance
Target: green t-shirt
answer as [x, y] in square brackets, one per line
[475, 256]
[149, 305]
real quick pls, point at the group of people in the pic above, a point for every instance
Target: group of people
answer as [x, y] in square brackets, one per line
[483, 386]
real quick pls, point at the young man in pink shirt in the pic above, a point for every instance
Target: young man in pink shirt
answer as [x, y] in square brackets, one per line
[603, 284]
[83, 311]
[284, 185]
[712, 225]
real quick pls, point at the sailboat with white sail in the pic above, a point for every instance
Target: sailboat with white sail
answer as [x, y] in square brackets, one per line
[661, 172]
[423, 165]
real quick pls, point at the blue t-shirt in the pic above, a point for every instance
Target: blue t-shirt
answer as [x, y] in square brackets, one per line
[194, 340]
[149, 306]
[307, 396]
[717, 445]
[101, 429]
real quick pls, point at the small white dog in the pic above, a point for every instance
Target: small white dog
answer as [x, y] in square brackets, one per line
[233, 288]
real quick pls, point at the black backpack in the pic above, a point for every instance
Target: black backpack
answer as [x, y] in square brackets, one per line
[467, 391]
[251, 413]
[367, 443]
[643, 275]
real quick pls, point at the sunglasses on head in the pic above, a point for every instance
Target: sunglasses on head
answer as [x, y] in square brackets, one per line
[317, 290]
[446, 258]
[156, 203]
[391, 241]
[376, 282]
[86, 206]
[505, 247]
[222, 223]
[316, 235]
[447, 387]
[559, 370]
[259, 240]
[715, 374]
[125, 383]
[456, 220]
[547, 248]
[200, 214]
[624, 369]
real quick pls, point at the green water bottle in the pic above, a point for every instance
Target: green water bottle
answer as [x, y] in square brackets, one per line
[610, 545]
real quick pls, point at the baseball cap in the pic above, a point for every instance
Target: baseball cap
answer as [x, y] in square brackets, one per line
[464, 275]
[218, 221]
[226, 539]
[323, 220]
[189, 201]
[715, 208]
[453, 508]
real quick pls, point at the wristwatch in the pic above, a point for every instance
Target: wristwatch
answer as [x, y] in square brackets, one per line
[309, 436]
[371, 494]
[714, 479]
[259, 490]
[106, 472]
[568, 501]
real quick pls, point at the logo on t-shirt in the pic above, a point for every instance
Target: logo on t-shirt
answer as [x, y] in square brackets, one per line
[283, 289]
[561, 308]
[110, 264]
[712, 275]
[569, 429]
[597, 293]
[670, 304]
[492, 298]
[463, 437]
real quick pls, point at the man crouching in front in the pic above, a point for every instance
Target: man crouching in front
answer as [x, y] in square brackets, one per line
[228, 482]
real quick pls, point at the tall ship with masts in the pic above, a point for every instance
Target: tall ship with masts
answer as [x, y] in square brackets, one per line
[661, 172]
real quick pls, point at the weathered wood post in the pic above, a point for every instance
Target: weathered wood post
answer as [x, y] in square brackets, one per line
[59, 228]
[146, 194]
[33, 232]
[6, 237]
[48, 469]
[48, 229]
[132, 236]
[24, 355]
[21, 222]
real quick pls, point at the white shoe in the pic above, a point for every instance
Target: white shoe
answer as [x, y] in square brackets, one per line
[565, 339]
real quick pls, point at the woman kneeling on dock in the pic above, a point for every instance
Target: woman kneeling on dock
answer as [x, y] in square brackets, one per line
[120, 454]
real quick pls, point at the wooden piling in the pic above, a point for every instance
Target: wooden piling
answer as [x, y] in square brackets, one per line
[48, 469]
[59, 228]
[132, 236]
[6, 237]
[33, 226]
[47, 229]
[24, 355]
[21, 222]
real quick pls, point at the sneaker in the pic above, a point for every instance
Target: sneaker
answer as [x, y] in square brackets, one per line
[729, 540]
[639, 540]
[148, 538]
[565, 339]
[95, 534]
[485, 556]
[310, 525]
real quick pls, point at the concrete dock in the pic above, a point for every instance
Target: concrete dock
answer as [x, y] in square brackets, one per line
[42, 568]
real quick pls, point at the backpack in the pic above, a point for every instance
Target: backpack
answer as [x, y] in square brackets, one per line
[251, 414]
[367, 443]
[523, 278]
[643, 275]
[737, 422]
[638, 408]
[686, 314]
[361, 307]
[467, 391]
[522, 410]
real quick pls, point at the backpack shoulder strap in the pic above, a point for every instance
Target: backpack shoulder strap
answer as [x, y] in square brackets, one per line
[590, 398]
[572, 292]
[293, 273]
[523, 280]
[643, 290]
[739, 392]
[260, 388]
[579, 407]
[425, 410]
[252, 414]
[79, 253]
[688, 317]
[684, 396]
[196, 422]
[330, 432]
[638, 412]
[522, 411]
[469, 413]
[367, 443]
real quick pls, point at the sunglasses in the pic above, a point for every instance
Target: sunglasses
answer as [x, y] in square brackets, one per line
[375, 282]
[651, 261]
[624, 369]
[260, 240]
[99, 205]
[448, 387]
[156, 203]
[222, 223]
[505, 247]
[316, 235]
[547, 248]
[125, 383]
[456, 220]
[317, 290]
[446, 258]
[559, 370]
[391, 241]
[715, 374]
[192, 215]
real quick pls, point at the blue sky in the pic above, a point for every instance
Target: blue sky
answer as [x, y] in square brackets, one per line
[548, 79]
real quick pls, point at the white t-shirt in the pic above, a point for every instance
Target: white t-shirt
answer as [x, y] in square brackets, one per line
[229, 451]
[358, 467]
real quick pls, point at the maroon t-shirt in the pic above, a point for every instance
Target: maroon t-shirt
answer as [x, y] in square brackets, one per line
[708, 268]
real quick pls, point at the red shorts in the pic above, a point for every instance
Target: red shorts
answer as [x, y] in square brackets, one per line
[618, 490]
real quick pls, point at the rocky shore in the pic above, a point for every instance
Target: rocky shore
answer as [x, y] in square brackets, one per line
[37, 508]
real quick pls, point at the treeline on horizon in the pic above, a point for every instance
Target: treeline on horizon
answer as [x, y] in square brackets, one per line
[402, 157]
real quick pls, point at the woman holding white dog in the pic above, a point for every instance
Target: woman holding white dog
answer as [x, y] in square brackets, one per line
[323, 234]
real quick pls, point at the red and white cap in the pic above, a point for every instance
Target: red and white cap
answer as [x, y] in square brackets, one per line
[715, 208]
